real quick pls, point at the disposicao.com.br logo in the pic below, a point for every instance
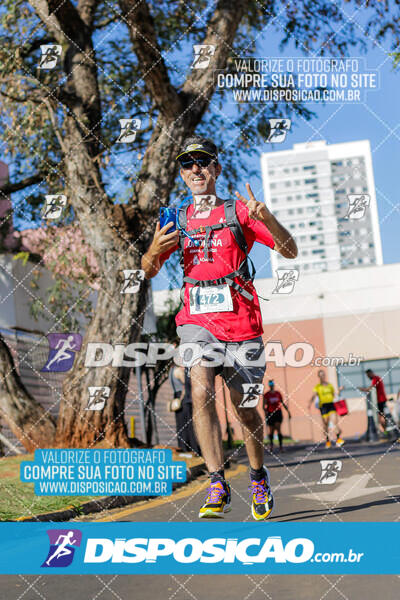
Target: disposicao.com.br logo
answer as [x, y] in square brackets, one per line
[247, 551]
[164, 554]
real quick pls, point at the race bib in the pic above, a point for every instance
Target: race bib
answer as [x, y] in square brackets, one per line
[215, 298]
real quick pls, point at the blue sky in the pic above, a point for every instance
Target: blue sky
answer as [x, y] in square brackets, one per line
[377, 119]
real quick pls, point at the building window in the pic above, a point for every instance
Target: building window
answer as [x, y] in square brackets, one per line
[354, 377]
[310, 181]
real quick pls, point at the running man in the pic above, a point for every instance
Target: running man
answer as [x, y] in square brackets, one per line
[62, 346]
[324, 392]
[221, 307]
[273, 403]
[377, 383]
[62, 549]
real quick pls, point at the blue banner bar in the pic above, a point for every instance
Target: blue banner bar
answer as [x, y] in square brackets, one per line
[199, 548]
[114, 472]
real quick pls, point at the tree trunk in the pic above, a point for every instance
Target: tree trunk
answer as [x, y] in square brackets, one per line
[28, 421]
[118, 317]
[82, 428]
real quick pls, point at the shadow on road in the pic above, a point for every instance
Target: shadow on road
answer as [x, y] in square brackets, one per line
[312, 514]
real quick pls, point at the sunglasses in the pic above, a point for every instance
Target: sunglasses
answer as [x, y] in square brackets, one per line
[200, 161]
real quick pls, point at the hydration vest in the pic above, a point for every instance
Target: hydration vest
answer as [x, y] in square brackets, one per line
[232, 222]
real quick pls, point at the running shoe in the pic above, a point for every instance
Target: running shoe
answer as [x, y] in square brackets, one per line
[328, 444]
[339, 442]
[218, 500]
[262, 499]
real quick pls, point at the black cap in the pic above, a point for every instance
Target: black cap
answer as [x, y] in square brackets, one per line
[199, 144]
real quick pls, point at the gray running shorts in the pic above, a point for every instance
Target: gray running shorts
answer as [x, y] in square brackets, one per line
[238, 362]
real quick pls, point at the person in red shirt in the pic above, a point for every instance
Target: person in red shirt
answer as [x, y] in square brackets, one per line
[221, 312]
[377, 383]
[273, 403]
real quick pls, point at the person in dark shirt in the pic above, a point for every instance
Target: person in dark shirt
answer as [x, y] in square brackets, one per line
[273, 403]
[377, 383]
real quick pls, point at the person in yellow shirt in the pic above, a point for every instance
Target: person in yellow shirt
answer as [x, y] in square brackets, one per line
[324, 395]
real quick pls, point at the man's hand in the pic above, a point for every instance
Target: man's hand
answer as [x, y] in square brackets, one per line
[162, 242]
[257, 210]
[284, 243]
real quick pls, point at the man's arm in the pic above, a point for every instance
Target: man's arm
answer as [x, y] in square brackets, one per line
[367, 389]
[179, 373]
[284, 242]
[162, 242]
[286, 408]
[312, 399]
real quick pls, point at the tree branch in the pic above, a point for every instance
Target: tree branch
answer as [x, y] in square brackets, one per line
[87, 11]
[221, 31]
[10, 188]
[144, 40]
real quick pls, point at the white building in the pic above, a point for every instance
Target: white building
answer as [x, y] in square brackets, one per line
[307, 188]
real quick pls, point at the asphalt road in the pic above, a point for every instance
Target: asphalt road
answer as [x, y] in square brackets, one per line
[367, 489]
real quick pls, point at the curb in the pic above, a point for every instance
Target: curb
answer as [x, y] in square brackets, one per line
[108, 502]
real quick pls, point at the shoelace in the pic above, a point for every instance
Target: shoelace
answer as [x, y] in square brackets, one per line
[215, 493]
[260, 490]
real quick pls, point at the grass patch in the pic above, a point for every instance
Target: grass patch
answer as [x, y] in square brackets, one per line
[18, 499]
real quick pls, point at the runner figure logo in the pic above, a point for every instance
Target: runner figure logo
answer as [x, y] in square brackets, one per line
[98, 396]
[279, 129]
[251, 394]
[133, 279]
[54, 206]
[129, 129]
[286, 280]
[202, 55]
[63, 543]
[357, 206]
[62, 348]
[203, 204]
[50, 54]
[329, 471]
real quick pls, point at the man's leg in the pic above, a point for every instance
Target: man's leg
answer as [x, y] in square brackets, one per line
[252, 430]
[280, 437]
[252, 426]
[335, 422]
[205, 418]
[271, 437]
[325, 423]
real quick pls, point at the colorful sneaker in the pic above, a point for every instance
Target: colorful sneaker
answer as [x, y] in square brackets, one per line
[262, 499]
[339, 442]
[218, 500]
[328, 444]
